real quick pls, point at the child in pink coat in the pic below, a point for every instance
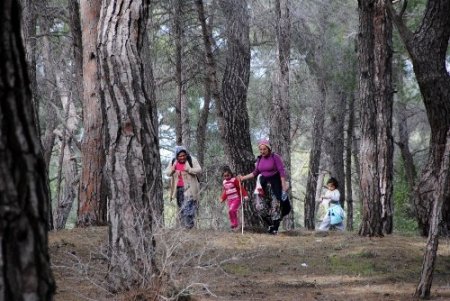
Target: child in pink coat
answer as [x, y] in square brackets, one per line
[232, 192]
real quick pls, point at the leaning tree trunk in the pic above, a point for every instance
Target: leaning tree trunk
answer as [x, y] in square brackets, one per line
[429, 257]
[133, 165]
[92, 194]
[280, 123]
[24, 191]
[236, 130]
[427, 48]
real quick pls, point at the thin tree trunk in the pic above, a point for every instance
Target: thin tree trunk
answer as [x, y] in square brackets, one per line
[92, 194]
[181, 93]
[133, 165]
[24, 191]
[429, 258]
[67, 168]
[335, 141]
[314, 158]
[348, 163]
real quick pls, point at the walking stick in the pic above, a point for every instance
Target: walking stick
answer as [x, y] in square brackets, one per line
[242, 207]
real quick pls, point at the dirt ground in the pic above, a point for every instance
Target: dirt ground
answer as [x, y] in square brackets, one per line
[299, 265]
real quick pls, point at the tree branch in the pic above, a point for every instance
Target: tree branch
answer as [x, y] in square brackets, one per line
[404, 31]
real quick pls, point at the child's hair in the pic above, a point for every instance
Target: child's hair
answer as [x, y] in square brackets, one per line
[227, 169]
[333, 181]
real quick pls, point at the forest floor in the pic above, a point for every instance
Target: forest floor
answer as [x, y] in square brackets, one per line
[219, 265]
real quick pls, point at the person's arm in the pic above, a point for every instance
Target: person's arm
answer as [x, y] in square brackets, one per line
[223, 197]
[170, 169]
[195, 169]
[280, 168]
[335, 195]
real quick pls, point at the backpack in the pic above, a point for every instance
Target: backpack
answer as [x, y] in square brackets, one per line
[336, 214]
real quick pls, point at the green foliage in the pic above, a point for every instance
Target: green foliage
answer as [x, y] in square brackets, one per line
[403, 218]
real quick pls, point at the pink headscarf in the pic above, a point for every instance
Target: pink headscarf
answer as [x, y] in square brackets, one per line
[265, 142]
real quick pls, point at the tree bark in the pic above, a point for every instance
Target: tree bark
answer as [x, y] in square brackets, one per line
[29, 24]
[384, 106]
[429, 258]
[24, 191]
[211, 82]
[335, 141]
[133, 165]
[75, 29]
[235, 129]
[348, 163]
[427, 47]
[376, 166]
[280, 123]
[92, 194]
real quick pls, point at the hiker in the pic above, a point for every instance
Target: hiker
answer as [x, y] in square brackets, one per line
[233, 193]
[184, 185]
[334, 216]
[272, 179]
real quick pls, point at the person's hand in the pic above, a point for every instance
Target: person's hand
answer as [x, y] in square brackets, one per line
[240, 178]
[245, 198]
[285, 186]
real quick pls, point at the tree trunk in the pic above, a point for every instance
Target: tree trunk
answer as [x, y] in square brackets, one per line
[427, 47]
[75, 29]
[92, 194]
[235, 129]
[24, 191]
[29, 24]
[133, 167]
[181, 104]
[440, 193]
[211, 82]
[375, 57]
[280, 123]
[314, 158]
[335, 142]
[348, 163]
[67, 167]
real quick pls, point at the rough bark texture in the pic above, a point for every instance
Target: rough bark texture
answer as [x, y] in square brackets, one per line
[371, 224]
[181, 103]
[335, 142]
[427, 47]
[24, 193]
[75, 29]
[67, 165]
[384, 101]
[348, 163]
[280, 123]
[235, 131]
[29, 22]
[133, 165]
[314, 160]
[429, 258]
[92, 194]
[211, 82]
